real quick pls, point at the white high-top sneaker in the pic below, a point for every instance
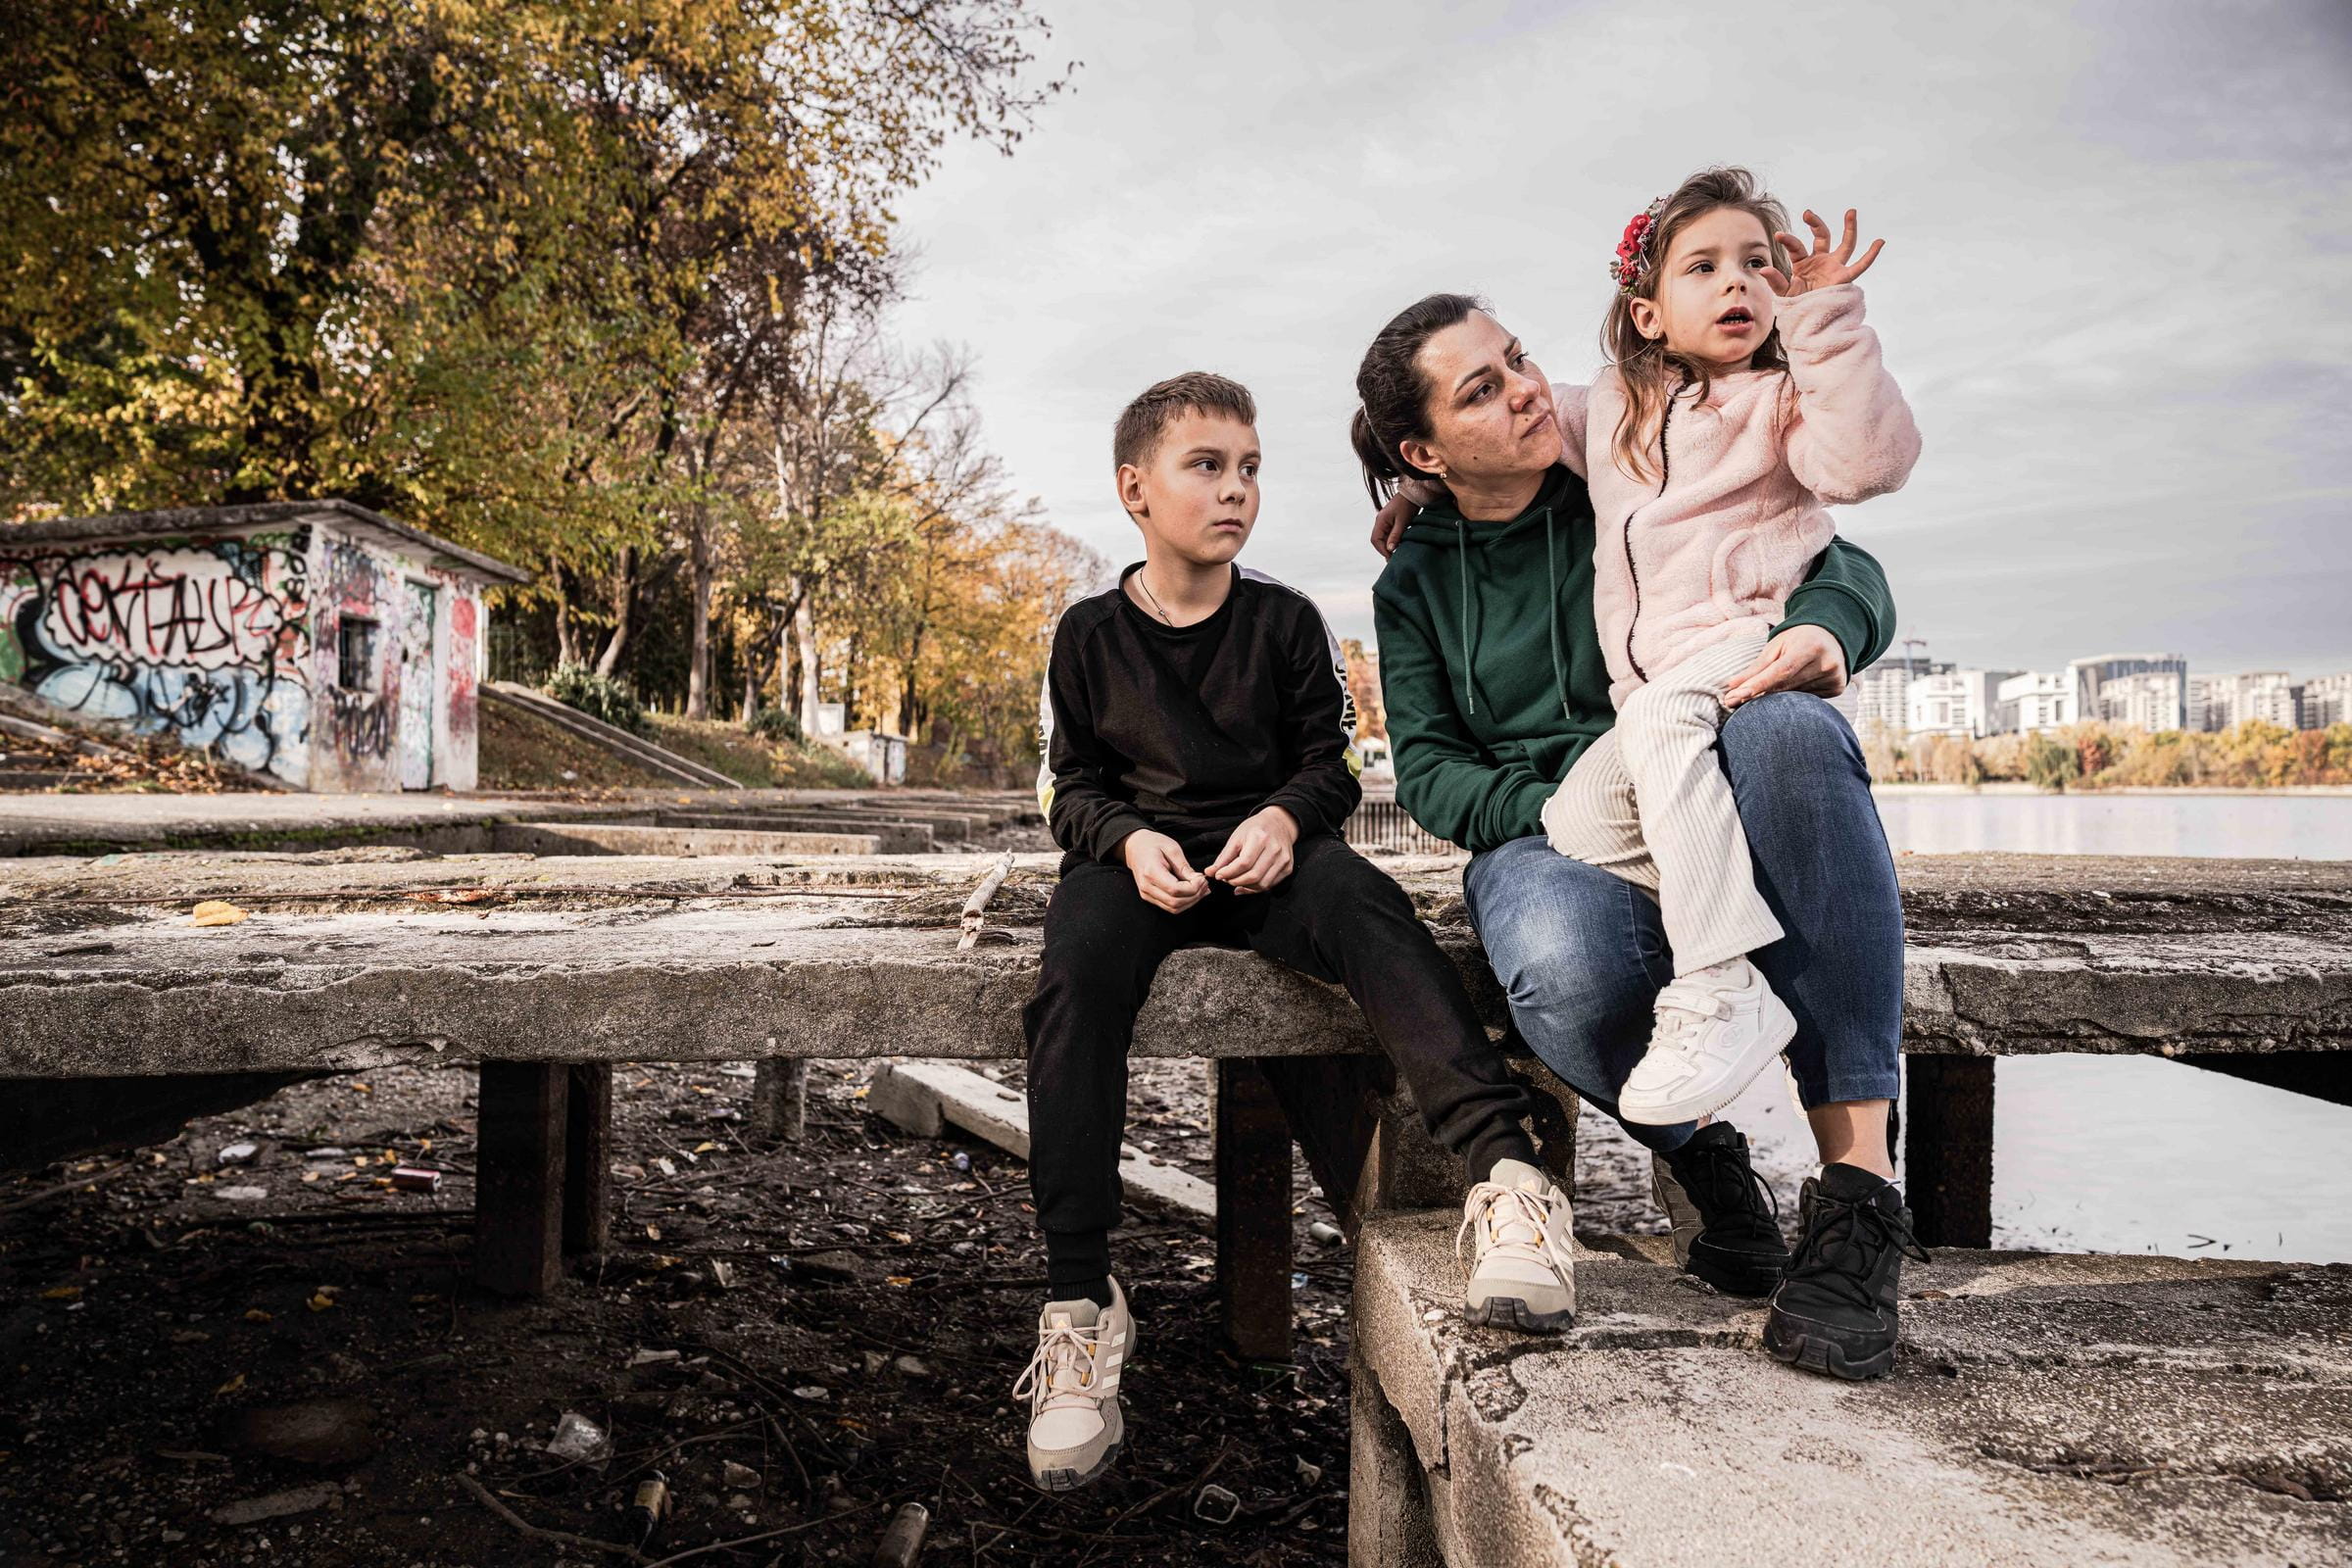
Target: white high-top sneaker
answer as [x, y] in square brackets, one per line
[1522, 1276]
[1717, 1028]
[1072, 1385]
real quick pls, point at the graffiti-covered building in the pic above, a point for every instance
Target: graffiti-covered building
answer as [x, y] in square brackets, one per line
[320, 642]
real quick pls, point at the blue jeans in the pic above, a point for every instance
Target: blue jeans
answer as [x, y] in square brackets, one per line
[1582, 955]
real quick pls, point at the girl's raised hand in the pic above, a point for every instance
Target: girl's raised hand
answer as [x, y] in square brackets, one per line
[1819, 265]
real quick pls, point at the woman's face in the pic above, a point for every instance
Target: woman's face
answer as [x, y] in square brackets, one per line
[1489, 407]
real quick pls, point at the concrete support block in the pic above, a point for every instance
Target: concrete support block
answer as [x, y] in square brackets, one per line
[780, 1100]
[1405, 1168]
[1388, 1495]
[520, 1178]
[588, 1159]
[1333, 1106]
[2320, 1074]
[1554, 1122]
[1254, 1212]
[1948, 1150]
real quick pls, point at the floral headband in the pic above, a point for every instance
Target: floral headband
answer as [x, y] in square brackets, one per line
[1633, 251]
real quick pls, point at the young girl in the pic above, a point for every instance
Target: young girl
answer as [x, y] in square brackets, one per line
[1742, 396]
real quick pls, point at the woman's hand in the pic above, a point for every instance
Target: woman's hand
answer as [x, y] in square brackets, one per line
[1801, 659]
[1820, 266]
[1387, 529]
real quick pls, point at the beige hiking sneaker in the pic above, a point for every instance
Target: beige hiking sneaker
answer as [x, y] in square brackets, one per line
[1072, 1385]
[1522, 1276]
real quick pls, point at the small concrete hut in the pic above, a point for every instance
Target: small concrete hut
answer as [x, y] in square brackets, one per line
[325, 645]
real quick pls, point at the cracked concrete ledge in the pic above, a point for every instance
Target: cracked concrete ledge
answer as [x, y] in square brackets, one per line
[618, 957]
[2044, 1409]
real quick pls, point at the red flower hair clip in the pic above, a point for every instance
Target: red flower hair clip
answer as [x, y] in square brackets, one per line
[1633, 251]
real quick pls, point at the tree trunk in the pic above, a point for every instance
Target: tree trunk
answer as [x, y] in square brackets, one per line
[567, 642]
[751, 684]
[848, 684]
[698, 666]
[804, 635]
[624, 602]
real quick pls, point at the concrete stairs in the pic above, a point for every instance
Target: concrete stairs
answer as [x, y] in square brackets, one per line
[619, 742]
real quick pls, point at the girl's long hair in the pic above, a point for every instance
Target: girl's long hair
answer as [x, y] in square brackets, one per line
[1650, 370]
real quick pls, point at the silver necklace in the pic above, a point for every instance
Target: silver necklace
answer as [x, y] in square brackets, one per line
[1154, 597]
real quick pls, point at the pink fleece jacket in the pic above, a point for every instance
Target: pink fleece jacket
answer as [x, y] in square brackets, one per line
[1731, 532]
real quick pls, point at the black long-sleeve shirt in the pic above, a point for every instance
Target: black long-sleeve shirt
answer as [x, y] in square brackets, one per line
[1188, 730]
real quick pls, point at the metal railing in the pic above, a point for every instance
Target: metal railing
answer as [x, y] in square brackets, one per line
[1379, 823]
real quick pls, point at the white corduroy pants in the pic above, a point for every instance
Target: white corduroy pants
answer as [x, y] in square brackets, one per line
[1648, 801]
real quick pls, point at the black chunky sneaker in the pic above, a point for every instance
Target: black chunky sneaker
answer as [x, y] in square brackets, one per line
[1727, 1224]
[1837, 1310]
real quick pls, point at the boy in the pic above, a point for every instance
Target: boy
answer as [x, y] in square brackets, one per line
[1199, 772]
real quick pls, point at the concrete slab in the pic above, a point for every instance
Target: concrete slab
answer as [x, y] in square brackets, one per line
[112, 824]
[2142, 1410]
[573, 838]
[923, 1096]
[857, 958]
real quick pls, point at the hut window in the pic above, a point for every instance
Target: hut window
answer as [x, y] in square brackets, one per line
[355, 654]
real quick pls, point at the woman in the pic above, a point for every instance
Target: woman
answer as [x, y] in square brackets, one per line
[1495, 682]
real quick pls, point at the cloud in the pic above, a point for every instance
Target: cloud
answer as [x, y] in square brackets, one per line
[2112, 286]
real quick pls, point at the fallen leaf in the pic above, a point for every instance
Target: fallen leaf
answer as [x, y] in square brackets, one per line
[704, 1147]
[63, 1293]
[901, 1279]
[321, 1302]
[254, 1314]
[230, 1387]
[214, 912]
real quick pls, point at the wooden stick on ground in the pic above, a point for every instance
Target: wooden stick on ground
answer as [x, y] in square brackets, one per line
[560, 1536]
[978, 902]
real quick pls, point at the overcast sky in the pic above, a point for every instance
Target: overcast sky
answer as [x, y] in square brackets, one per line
[2116, 286]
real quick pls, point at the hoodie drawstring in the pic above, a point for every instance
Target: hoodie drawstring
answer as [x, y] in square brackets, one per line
[1551, 614]
[1462, 539]
[1551, 611]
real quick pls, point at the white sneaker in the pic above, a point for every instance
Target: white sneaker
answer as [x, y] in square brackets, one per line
[1717, 1028]
[1523, 1276]
[1072, 1385]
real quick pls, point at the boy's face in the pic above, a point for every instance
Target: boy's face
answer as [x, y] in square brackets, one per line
[1196, 495]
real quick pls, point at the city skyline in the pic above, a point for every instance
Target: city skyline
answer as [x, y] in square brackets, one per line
[2106, 228]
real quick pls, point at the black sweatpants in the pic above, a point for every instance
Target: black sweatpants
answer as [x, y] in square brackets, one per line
[1337, 917]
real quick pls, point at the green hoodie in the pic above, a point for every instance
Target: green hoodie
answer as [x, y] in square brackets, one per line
[1492, 672]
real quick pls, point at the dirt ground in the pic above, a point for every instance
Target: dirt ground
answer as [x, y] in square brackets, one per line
[799, 1340]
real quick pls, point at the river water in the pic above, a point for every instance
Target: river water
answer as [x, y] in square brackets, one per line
[2125, 1154]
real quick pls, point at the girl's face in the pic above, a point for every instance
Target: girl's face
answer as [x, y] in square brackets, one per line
[1489, 407]
[1713, 305]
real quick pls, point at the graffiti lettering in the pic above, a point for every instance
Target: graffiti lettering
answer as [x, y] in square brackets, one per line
[206, 640]
[167, 606]
[361, 722]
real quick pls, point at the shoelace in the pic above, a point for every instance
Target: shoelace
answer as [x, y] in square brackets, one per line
[1860, 1231]
[1053, 1377]
[1519, 1208]
[1684, 1010]
[1728, 1175]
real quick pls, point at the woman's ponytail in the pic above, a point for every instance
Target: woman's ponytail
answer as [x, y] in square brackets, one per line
[1381, 472]
[1392, 397]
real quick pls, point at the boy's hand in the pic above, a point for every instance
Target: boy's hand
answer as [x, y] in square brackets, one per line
[1820, 266]
[1161, 873]
[1387, 529]
[1257, 857]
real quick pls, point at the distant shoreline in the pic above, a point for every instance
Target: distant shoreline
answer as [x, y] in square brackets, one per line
[2017, 787]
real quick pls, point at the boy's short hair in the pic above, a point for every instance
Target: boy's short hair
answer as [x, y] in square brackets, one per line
[1141, 422]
